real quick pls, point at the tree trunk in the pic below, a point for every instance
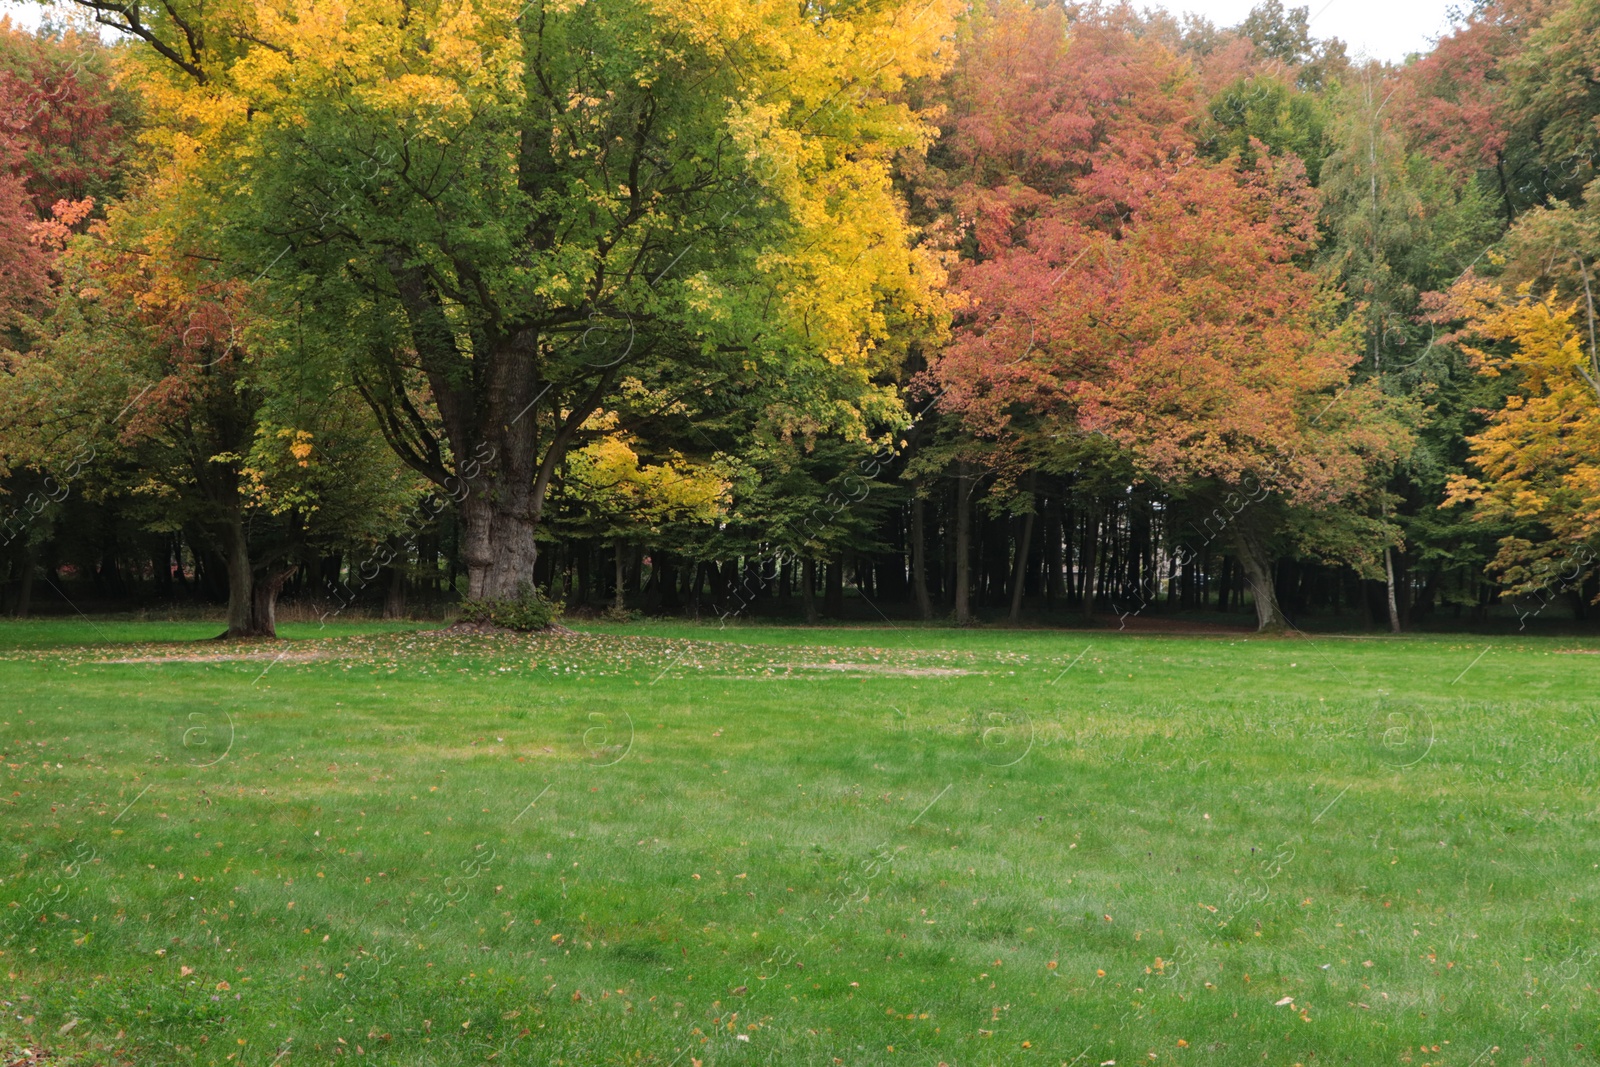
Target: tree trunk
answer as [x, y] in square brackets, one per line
[619, 599]
[1052, 552]
[264, 601]
[508, 428]
[252, 599]
[808, 589]
[1257, 565]
[30, 563]
[833, 602]
[394, 597]
[919, 560]
[1089, 560]
[963, 551]
[241, 582]
[666, 565]
[1019, 570]
[1388, 574]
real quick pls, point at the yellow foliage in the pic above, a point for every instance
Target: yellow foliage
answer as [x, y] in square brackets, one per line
[818, 109]
[637, 496]
[1539, 457]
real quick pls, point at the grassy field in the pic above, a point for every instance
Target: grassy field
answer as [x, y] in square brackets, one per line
[677, 845]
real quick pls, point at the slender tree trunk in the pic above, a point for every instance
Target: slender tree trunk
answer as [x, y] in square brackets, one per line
[1089, 560]
[919, 559]
[30, 563]
[394, 596]
[1052, 555]
[619, 599]
[808, 589]
[1019, 571]
[1257, 565]
[1388, 574]
[833, 602]
[963, 546]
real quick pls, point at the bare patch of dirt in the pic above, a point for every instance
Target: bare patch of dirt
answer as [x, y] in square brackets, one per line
[263, 654]
[884, 668]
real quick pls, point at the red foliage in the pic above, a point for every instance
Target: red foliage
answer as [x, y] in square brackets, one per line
[59, 111]
[24, 262]
[1124, 285]
[1039, 112]
[58, 140]
[1453, 101]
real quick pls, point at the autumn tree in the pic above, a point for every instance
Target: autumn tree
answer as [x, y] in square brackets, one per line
[499, 212]
[1139, 292]
[616, 491]
[204, 415]
[58, 103]
[62, 147]
[1535, 462]
[63, 141]
[1486, 104]
[1284, 35]
[1399, 225]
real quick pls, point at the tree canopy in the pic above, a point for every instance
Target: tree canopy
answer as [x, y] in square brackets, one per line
[710, 303]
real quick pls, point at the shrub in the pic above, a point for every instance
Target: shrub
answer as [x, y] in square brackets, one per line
[527, 611]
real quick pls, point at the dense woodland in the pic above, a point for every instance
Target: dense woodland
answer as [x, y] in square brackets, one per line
[862, 309]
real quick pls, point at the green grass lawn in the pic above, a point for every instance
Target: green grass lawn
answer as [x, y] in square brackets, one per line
[681, 845]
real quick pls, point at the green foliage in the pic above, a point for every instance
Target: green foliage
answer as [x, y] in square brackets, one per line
[1279, 33]
[528, 612]
[1264, 109]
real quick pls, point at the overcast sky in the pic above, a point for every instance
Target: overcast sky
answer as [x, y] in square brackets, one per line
[1383, 29]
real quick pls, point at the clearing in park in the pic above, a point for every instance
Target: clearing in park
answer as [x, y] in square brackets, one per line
[672, 844]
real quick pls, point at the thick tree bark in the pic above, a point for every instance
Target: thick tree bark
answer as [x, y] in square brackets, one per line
[499, 550]
[264, 601]
[241, 581]
[394, 596]
[963, 546]
[919, 559]
[252, 598]
[1256, 562]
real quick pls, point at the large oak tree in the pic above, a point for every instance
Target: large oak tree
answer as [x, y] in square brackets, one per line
[500, 212]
